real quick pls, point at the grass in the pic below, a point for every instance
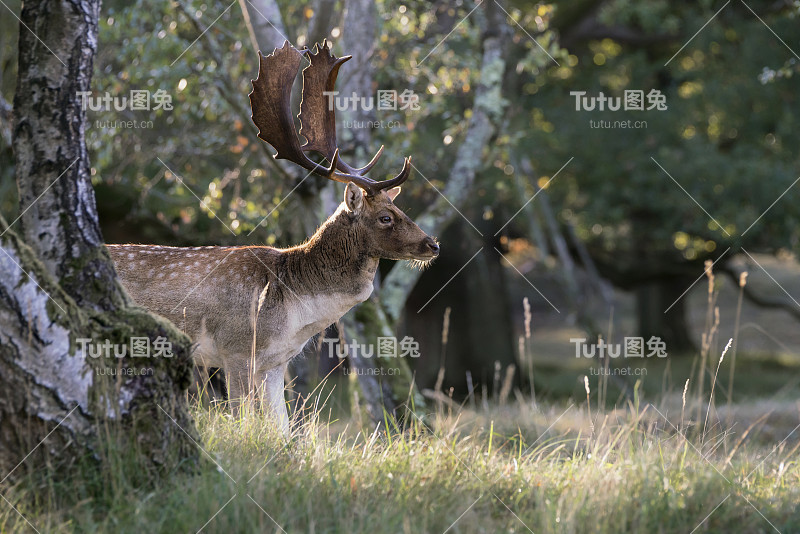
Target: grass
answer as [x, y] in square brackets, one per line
[661, 458]
[508, 469]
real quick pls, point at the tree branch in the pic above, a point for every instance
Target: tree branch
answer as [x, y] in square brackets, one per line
[759, 299]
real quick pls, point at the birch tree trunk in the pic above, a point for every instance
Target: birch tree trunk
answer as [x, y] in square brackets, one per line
[381, 314]
[487, 113]
[59, 295]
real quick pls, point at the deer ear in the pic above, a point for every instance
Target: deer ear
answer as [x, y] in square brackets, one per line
[393, 192]
[353, 198]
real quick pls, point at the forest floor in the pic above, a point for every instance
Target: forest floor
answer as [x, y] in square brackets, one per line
[518, 467]
[608, 454]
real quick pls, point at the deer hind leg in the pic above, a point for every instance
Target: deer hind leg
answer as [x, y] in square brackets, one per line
[239, 380]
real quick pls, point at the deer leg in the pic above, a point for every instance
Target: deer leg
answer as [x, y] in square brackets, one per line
[237, 378]
[274, 396]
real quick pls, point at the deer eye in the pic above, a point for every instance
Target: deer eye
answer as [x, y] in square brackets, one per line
[385, 219]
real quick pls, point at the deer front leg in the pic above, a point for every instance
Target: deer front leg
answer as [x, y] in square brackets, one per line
[241, 389]
[273, 390]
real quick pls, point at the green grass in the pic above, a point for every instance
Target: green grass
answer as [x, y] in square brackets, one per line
[555, 468]
[576, 461]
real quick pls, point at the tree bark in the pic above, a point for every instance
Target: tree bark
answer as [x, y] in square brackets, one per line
[264, 24]
[58, 286]
[487, 113]
[322, 22]
[52, 165]
[358, 38]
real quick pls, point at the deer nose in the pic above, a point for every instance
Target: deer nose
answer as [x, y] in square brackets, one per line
[432, 245]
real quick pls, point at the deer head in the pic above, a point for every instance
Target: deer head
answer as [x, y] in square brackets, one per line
[382, 229]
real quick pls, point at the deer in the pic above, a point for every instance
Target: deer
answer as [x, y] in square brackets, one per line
[250, 309]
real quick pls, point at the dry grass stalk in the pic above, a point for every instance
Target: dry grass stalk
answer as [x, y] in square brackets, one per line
[525, 352]
[588, 402]
[508, 382]
[712, 324]
[527, 314]
[442, 359]
[714, 383]
[732, 370]
[496, 380]
[683, 405]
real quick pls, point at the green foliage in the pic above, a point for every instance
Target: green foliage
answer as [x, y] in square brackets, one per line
[725, 138]
[209, 142]
[204, 139]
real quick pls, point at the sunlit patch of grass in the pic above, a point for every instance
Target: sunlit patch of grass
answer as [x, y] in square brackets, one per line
[500, 470]
[672, 463]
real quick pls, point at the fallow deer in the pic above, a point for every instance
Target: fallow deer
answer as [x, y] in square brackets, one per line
[250, 309]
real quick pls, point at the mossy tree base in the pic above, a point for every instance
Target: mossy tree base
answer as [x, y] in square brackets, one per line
[67, 407]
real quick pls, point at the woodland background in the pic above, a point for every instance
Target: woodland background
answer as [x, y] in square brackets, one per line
[604, 233]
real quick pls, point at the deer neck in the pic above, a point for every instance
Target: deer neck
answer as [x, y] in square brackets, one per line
[334, 260]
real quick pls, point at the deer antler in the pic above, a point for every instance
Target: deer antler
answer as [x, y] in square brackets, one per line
[270, 102]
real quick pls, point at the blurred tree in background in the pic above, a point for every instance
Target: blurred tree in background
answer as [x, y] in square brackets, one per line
[723, 140]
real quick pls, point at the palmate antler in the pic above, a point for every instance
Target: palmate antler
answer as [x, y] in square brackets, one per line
[270, 102]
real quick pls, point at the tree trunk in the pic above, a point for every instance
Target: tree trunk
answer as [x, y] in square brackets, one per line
[264, 24]
[651, 300]
[480, 318]
[59, 296]
[381, 315]
[380, 392]
[487, 113]
[321, 22]
[358, 38]
[52, 165]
